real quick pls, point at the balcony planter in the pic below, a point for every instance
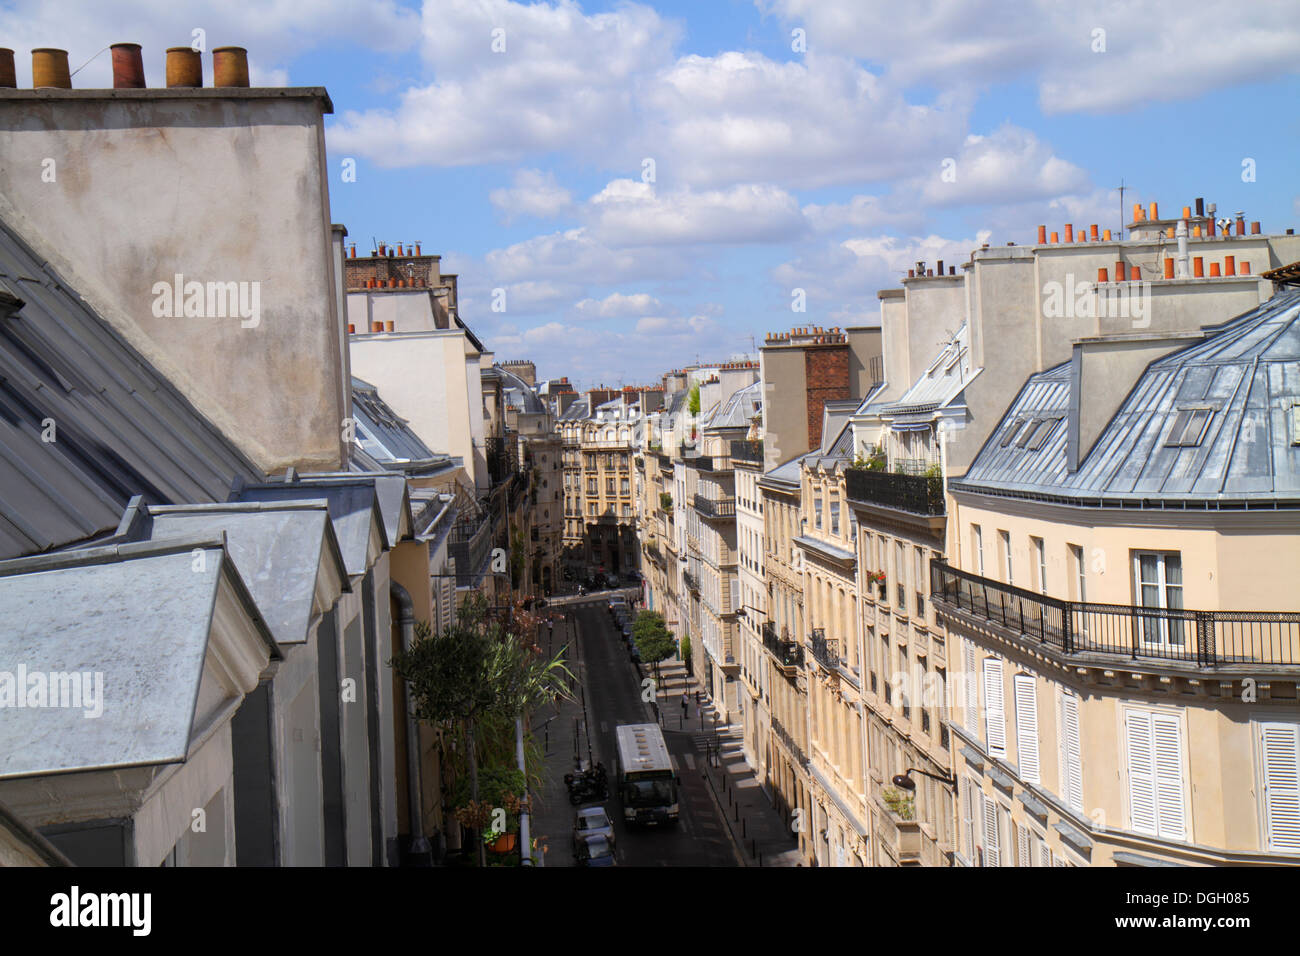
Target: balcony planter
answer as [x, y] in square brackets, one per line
[504, 843]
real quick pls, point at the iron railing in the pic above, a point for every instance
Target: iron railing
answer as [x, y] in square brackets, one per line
[751, 451]
[787, 653]
[1205, 638]
[914, 493]
[826, 651]
[715, 507]
[691, 580]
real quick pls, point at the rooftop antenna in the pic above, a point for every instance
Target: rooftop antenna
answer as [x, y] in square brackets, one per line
[1121, 209]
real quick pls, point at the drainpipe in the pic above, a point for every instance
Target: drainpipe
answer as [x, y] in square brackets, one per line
[419, 850]
[525, 844]
[1181, 262]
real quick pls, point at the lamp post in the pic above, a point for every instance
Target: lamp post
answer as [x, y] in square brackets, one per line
[904, 780]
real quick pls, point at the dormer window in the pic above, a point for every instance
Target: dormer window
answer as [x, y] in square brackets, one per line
[1189, 427]
[1011, 432]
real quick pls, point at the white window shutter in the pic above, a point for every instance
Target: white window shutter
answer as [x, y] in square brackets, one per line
[969, 815]
[995, 720]
[1044, 854]
[1167, 737]
[1022, 845]
[1280, 751]
[971, 687]
[1071, 762]
[1026, 692]
[1141, 772]
[992, 845]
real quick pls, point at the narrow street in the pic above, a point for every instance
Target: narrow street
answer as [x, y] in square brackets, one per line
[611, 687]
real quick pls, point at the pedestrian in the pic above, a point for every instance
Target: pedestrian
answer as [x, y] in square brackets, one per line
[685, 706]
[697, 697]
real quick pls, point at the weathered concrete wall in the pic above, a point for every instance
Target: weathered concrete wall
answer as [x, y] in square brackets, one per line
[220, 186]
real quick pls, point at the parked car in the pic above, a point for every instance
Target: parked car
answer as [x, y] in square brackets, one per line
[592, 821]
[636, 654]
[611, 581]
[594, 851]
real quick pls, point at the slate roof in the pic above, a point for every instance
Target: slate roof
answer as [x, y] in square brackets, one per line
[277, 549]
[1203, 425]
[121, 428]
[140, 615]
[383, 434]
[352, 500]
[579, 410]
[738, 410]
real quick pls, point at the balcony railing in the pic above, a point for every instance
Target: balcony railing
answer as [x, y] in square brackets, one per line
[750, 451]
[826, 651]
[691, 580]
[915, 493]
[1204, 638]
[715, 507]
[787, 653]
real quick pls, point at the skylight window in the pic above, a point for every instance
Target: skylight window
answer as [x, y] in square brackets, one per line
[1189, 427]
[1011, 432]
[1039, 435]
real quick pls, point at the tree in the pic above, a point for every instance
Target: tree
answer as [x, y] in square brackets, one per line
[653, 642]
[695, 399]
[686, 651]
[478, 669]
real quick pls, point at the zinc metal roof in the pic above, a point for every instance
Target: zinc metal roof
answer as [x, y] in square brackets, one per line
[943, 381]
[278, 550]
[139, 615]
[738, 410]
[120, 427]
[353, 504]
[1231, 399]
[383, 434]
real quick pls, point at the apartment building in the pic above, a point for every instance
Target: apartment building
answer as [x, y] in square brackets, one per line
[755, 678]
[1134, 658]
[600, 433]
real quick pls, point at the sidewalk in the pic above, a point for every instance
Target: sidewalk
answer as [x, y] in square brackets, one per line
[757, 828]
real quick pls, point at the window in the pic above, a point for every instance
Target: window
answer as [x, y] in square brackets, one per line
[835, 516]
[1155, 773]
[970, 798]
[1026, 693]
[1071, 765]
[1006, 555]
[1159, 584]
[995, 725]
[1280, 778]
[918, 579]
[1011, 432]
[591, 508]
[1040, 550]
[591, 486]
[1022, 845]
[817, 513]
[609, 486]
[900, 570]
[992, 832]
[623, 487]
[1189, 427]
[977, 539]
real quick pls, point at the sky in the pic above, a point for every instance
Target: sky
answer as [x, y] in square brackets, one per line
[624, 188]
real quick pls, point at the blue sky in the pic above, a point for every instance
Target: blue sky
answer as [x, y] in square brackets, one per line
[775, 168]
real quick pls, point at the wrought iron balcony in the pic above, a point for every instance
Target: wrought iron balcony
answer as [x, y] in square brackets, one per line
[715, 507]
[750, 451]
[787, 652]
[1203, 638]
[915, 493]
[691, 580]
[826, 651]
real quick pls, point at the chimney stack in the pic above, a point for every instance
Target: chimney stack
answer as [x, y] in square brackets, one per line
[128, 67]
[184, 68]
[8, 77]
[230, 66]
[50, 69]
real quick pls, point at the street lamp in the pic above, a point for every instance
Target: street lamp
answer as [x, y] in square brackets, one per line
[904, 780]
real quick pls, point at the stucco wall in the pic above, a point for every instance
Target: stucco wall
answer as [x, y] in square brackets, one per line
[144, 190]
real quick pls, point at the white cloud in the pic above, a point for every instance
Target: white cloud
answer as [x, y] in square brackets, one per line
[616, 305]
[674, 327]
[576, 255]
[632, 213]
[1149, 48]
[741, 117]
[565, 81]
[865, 212]
[534, 193]
[1010, 164]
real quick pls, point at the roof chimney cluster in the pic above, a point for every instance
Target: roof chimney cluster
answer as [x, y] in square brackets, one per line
[183, 68]
[807, 335]
[385, 251]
